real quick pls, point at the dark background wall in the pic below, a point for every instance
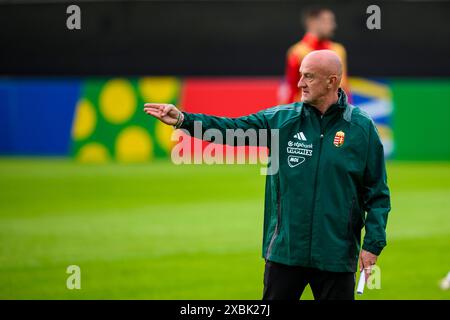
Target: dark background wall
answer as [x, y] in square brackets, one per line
[215, 38]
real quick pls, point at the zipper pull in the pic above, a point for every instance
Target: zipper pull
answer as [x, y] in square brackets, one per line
[321, 136]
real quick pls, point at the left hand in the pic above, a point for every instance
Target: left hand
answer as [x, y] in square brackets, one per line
[366, 261]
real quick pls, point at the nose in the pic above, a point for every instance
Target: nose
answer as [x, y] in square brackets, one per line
[301, 83]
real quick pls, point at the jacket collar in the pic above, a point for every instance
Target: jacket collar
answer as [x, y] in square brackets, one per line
[342, 99]
[341, 103]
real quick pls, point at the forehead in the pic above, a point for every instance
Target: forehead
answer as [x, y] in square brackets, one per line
[308, 66]
[326, 14]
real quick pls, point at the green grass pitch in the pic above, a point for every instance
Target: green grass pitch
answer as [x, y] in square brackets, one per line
[161, 231]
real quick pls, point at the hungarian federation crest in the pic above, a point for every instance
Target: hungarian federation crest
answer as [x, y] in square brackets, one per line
[339, 138]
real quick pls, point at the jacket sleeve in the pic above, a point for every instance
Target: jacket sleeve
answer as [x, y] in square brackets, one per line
[196, 124]
[376, 195]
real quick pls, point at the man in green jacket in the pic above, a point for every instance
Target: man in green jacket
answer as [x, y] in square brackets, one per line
[331, 183]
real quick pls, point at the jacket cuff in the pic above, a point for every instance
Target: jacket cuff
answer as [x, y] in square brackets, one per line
[187, 121]
[372, 249]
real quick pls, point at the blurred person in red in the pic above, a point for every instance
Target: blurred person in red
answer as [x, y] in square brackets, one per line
[320, 24]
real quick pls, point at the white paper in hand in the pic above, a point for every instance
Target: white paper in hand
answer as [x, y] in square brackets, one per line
[361, 282]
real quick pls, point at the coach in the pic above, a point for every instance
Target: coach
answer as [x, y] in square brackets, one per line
[330, 184]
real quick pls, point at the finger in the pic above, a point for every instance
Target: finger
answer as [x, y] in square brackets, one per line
[361, 266]
[155, 114]
[367, 274]
[154, 106]
[368, 271]
[152, 110]
[166, 110]
[156, 111]
[163, 110]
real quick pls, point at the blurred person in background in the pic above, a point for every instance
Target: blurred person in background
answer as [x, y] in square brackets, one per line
[320, 25]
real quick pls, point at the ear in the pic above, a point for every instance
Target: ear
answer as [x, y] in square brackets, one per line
[331, 80]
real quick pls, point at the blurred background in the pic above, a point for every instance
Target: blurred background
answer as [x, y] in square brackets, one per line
[86, 177]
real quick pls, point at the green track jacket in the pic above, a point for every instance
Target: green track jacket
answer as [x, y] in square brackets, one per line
[331, 183]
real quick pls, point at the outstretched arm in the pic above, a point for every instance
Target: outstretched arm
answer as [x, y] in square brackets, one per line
[169, 114]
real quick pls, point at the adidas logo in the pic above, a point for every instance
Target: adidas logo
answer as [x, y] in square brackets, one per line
[300, 136]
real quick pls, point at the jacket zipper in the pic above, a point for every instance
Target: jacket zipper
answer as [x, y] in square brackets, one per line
[322, 134]
[275, 233]
[314, 195]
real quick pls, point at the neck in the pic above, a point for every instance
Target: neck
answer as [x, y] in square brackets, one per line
[316, 35]
[325, 102]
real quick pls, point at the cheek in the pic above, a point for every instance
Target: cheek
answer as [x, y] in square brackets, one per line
[314, 87]
[317, 89]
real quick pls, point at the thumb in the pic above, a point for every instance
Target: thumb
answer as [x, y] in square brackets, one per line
[170, 111]
[174, 112]
[165, 109]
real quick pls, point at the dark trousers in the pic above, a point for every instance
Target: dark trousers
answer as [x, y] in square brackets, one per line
[283, 282]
